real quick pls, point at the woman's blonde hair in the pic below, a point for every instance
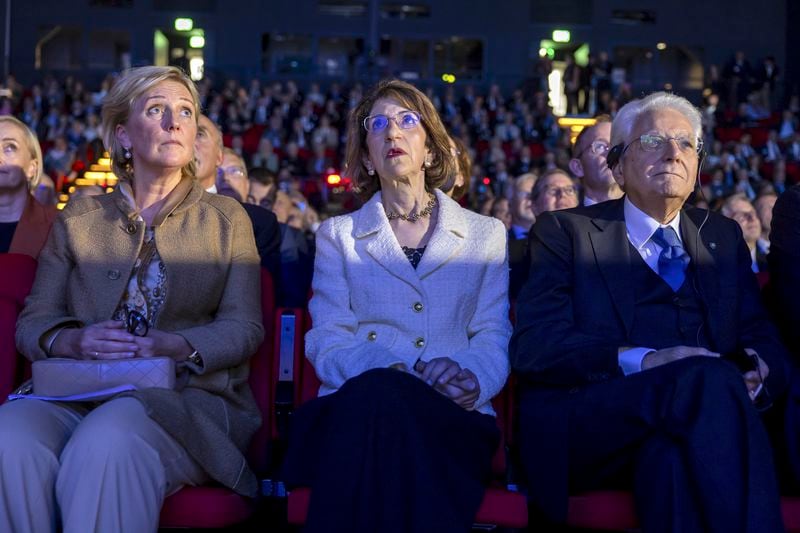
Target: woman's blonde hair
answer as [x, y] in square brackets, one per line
[34, 149]
[437, 141]
[119, 102]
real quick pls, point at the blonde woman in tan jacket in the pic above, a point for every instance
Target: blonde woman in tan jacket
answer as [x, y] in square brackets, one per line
[185, 262]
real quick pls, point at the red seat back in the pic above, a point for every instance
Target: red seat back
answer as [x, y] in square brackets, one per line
[17, 272]
[260, 373]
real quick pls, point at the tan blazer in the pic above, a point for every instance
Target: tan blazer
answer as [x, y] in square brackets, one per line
[372, 309]
[32, 229]
[213, 300]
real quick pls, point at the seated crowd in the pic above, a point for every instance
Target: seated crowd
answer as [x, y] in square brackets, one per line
[643, 355]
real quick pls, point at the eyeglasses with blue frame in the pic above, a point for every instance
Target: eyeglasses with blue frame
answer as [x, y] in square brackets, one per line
[405, 120]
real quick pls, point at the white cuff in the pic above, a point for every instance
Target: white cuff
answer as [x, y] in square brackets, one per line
[630, 360]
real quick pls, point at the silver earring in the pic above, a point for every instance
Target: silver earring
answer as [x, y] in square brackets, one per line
[127, 153]
[371, 171]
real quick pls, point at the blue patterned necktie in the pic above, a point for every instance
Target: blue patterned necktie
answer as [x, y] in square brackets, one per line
[673, 260]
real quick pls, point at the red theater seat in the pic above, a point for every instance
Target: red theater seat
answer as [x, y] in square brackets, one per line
[215, 506]
[18, 272]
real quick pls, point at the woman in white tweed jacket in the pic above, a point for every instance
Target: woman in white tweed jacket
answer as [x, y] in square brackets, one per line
[410, 335]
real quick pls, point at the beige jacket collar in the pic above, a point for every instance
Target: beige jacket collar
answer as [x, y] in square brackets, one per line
[185, 194]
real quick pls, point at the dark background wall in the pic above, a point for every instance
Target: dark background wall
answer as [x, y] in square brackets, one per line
[248, 38]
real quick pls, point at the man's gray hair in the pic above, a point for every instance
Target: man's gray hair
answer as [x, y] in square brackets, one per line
[622, 127]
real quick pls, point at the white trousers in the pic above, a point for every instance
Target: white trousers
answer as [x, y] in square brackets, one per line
[106, 469]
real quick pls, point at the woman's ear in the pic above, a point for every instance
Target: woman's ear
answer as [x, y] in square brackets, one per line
[122, 136]
[367, 164]
[33, 169]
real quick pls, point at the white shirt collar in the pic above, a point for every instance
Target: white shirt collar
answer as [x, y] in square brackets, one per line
[589, 201]
[641, 226]
[212, 189]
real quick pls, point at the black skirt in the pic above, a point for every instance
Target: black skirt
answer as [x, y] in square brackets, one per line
[388, 453]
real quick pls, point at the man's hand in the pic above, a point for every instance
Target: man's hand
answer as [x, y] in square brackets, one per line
[669, 355]
[447, 377]
[755, 378]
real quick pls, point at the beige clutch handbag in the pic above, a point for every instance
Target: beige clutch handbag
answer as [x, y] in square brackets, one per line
[71, 377]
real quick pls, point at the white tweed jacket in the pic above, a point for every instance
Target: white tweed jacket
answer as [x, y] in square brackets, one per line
[371, 308]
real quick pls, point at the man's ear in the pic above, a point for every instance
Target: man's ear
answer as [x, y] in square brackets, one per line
[617, 173]
[576, 167]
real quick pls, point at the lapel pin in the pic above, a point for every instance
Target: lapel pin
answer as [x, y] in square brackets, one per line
[712, 245]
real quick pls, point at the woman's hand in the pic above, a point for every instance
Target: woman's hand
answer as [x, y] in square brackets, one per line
[159, 343]
[104, 340]
[447, 377]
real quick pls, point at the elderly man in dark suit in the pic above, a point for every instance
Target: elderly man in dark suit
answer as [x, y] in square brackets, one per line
[620, 329]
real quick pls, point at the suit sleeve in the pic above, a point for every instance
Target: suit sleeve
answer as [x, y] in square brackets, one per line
[489, 328]
[332, 346]
[547, 345]
[784, 265]
[754, 327]
[268, 241]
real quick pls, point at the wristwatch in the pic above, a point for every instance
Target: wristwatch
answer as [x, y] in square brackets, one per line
[195, 359]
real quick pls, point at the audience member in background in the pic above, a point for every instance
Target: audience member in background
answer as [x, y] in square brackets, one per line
[409, 337]
[266, 156]
[263, 187]
[618, 339]
[231, 180]
[24, 222]
[153, 249]
[522, 218]
[59, 158]
[743, 185]
[501, 211]
[589, 164]
[764, 205]
[779, 177]
[458, 186]
[554, 190]
[771, 151]
[297, 252]
[739, 208]
[208, 153]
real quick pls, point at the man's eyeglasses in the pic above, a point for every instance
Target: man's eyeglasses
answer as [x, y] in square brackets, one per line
[405, 120]
[567, 191]
[136, 323]
[233, 171]
[597, 148]
[745, 216]
[656, 143]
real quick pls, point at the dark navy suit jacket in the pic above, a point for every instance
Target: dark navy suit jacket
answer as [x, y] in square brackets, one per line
[576, 311]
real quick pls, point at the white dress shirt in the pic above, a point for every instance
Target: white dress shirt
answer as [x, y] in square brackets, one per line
[640, 228]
